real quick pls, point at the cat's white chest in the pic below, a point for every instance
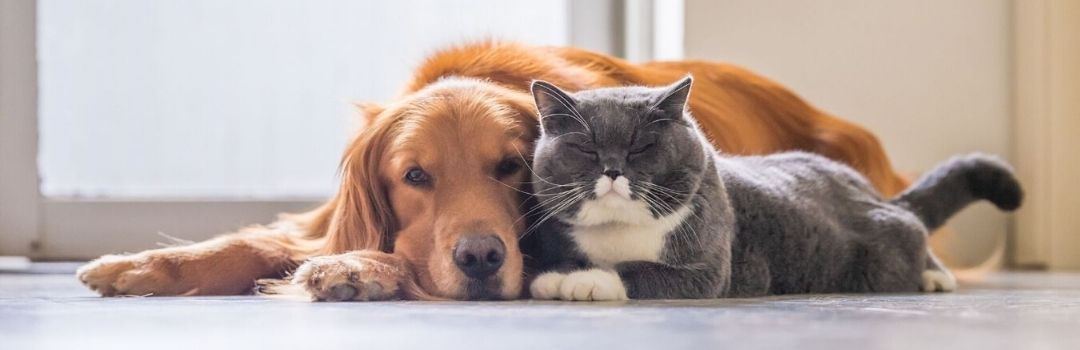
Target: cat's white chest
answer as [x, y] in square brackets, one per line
[612, 230]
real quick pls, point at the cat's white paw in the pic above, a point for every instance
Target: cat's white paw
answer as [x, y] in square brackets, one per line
[592, 285]
[938, 281]
[546, 286]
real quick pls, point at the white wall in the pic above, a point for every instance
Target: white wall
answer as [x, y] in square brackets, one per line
[930, 78]
[250, 99]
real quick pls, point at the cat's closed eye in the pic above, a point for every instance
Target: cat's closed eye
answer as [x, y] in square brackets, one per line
[582, 149]
[641, 149]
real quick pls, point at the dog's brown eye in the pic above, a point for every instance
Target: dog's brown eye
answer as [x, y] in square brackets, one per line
[416, 176]
[507, 167]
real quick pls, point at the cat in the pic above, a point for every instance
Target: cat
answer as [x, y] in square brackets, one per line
[635, 203]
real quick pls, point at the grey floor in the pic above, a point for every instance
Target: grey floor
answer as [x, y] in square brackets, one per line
[1005, 311]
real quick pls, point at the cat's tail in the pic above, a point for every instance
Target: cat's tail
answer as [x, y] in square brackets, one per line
[960, 181]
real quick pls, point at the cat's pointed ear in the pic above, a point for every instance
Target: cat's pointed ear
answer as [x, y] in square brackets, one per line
[673, 100]
[554, 105]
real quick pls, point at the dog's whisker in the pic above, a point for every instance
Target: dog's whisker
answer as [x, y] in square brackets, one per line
[510, 187]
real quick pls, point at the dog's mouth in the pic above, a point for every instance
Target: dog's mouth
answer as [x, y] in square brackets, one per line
[484, 289]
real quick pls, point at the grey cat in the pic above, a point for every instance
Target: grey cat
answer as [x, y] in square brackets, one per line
[637, 203]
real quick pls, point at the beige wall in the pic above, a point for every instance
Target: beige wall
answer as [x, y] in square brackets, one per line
[1046, 125]
[930, 78]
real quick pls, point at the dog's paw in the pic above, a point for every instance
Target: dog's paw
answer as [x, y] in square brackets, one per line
[100, 274]
[348, 277]
[938, 281]
[546, 286]
[592, 285]
[113, 275]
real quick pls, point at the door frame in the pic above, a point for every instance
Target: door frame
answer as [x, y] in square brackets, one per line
[1046, 120]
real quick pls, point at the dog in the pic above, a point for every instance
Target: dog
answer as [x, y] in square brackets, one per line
[434, 188]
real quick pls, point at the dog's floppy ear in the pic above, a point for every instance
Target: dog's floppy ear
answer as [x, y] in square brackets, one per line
[362, 217]
[368, 112]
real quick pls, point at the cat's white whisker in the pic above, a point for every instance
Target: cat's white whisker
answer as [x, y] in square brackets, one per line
[533, 172]
[656, 121]
[569, 133]
[553, 198]
[660, 188]
[559, 208]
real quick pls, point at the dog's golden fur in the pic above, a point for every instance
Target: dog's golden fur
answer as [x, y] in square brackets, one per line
[466, 110]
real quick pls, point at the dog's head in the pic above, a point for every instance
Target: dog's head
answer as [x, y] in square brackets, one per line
[438, 178]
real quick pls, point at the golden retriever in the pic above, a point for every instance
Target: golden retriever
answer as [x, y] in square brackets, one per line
[433, 189]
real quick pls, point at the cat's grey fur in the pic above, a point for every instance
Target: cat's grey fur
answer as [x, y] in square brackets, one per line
[758, 225]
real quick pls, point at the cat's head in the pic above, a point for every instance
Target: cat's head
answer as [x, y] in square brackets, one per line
[616, 155]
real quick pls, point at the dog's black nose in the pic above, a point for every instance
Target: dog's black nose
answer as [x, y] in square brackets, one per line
[613, 173]
[479, 256]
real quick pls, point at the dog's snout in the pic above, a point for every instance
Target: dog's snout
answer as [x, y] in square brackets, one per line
[613, 173]
[480, 256]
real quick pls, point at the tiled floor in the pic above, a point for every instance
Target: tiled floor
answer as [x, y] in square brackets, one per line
[1006, 311]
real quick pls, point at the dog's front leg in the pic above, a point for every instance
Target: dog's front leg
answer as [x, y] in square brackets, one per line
[225, 265]
[363, 275]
